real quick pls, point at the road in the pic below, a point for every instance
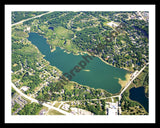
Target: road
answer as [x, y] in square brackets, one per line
[141, 15]
[128, 84]
[36, 101]
[31, 18]
[90, 99]
[57, 109]
[132, 79]
[66, 113]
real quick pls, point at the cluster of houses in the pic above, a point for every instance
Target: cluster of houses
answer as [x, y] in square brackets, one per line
[19, 100]
[78, 111]
[140, 16]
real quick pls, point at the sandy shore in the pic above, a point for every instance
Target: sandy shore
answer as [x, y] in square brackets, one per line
[53, 49]
[123, 83]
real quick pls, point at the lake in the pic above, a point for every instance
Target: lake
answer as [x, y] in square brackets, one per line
[96, 73]
[138, 94]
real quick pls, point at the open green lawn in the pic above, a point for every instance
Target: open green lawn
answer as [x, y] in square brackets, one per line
[63, 33]
[54, 112]
[57, 104]
[62, 38]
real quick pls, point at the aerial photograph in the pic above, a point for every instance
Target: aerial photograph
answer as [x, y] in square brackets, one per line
[80, 63]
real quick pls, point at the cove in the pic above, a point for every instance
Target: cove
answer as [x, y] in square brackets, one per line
[138, 94]
[96, 74]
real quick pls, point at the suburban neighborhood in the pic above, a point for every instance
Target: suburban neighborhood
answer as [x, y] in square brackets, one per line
[116, 39]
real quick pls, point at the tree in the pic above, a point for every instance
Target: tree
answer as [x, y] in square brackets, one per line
[98, 107]
[30, 109]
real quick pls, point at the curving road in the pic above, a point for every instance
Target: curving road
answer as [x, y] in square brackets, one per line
[36, 101]
[24, 95]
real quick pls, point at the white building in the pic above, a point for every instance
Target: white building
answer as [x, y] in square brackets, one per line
[113, 109]
[112, 24]
[66, 107]
[25, 88]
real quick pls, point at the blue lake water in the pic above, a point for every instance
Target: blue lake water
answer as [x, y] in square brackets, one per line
[138, 94]
[96, 73]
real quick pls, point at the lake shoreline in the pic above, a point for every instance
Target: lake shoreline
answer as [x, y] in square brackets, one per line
[97, 75]
[123, 83]
[83, 53]
[139, 93]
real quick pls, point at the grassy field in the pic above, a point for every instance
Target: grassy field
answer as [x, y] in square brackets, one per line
[57, 104]
[63, 33]
[70, 85]
[135, 108]
[29, 51]
[62, 39]
[54, 112]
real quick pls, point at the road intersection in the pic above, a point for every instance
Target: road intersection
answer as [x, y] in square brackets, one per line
[36, 101]
[58, 109]
[67, 113]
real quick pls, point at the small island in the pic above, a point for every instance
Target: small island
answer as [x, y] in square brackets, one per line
[43, 46]
[86, 70]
